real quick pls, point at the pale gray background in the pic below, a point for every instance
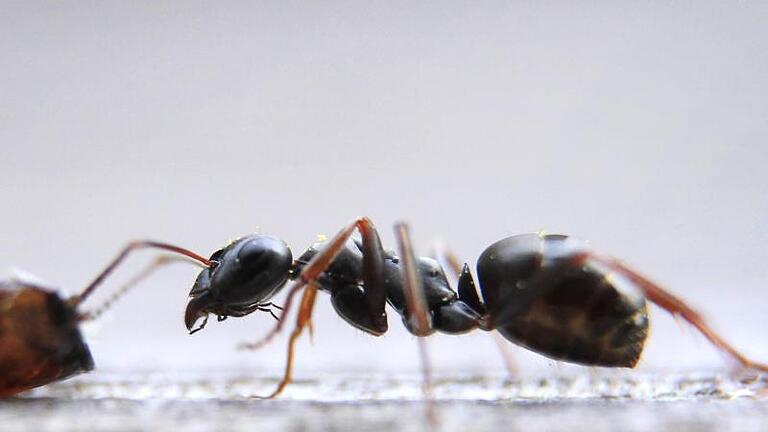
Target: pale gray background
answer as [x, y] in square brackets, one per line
[641, 127]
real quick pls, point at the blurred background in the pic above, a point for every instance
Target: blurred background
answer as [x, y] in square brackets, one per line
[641, 127]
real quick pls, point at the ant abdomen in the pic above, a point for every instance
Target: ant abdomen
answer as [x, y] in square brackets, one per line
[546, 294]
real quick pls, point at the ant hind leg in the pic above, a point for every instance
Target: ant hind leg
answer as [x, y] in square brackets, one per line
[677, 307]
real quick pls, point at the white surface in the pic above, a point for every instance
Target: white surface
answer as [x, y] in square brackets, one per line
[602, 402]
[367, 388]
[641, 127]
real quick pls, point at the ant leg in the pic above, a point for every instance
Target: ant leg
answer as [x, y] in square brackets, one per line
[303, 318]
[415, 299]
[267, 307]
[78, 299]
[506, 354]
[292, 291]
[270, 304]
[363, 305]
[373, 276]
[160, 261]
[271, 313]
[417, 312]
[652, 291]
[468, 294]
[678, 307]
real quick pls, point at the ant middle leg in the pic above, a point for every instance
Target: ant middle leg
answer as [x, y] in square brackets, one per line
[417, 312]
[271, 312]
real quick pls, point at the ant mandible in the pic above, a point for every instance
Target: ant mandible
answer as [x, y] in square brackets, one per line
[551, 294]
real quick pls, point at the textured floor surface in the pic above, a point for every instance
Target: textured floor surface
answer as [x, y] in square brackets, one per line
[597, 402]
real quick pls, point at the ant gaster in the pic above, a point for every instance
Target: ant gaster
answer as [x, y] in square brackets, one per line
[549, 293]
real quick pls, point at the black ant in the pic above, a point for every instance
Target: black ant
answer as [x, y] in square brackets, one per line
[549, 293]
[40, 339]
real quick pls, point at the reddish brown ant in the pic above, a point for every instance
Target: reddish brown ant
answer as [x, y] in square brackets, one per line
[40, 340]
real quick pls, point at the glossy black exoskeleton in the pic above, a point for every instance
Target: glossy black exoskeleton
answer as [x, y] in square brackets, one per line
[241, 277]
[542, 297]
[549, 293]
[343, 277]
[249, 271]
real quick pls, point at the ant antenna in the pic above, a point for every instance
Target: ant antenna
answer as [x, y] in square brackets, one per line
[80, 298]
[160, 261]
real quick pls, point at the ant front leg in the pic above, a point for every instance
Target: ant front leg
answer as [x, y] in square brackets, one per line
[373, 280]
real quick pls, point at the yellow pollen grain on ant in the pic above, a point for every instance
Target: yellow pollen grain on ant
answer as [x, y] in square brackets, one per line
[322, 237]
[609, 276]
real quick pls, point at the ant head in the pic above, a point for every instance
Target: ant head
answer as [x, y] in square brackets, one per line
[244, 274]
